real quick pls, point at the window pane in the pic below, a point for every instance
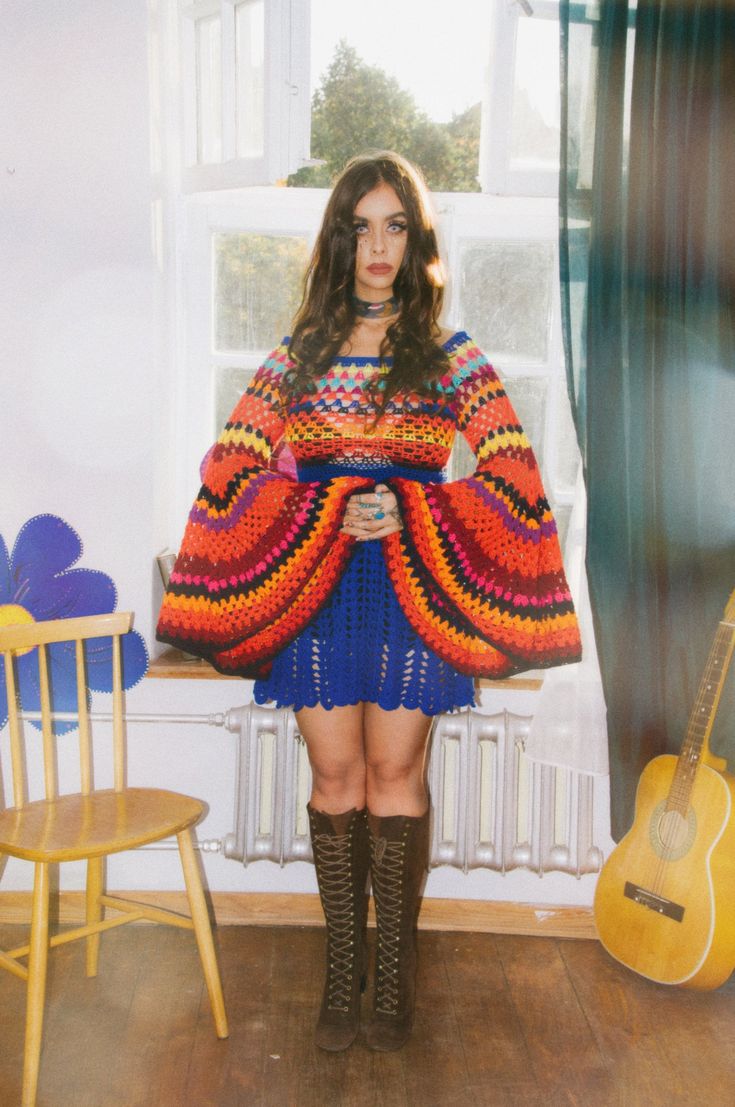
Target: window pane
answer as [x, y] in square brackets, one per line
[567, 462]
[462, 460]
[563, 517]
[209, 89]
[582, 93]
[505, 291]
[528, 396]
[536, 100]
[229, 385]
[257, 288]
[250, 52]
[396, 76]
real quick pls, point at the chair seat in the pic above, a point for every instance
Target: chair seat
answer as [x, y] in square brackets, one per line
[75, 826]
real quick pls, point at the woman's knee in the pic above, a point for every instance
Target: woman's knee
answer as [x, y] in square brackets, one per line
[395, 754]
[337, 777]
[393, 777]
[336, 755]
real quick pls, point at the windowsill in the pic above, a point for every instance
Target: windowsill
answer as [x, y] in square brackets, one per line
[174, 665]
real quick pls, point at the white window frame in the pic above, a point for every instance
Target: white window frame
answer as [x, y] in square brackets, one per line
[528, 214]
[497, 174]
[514, 219]
[298, 212]
[287, 109]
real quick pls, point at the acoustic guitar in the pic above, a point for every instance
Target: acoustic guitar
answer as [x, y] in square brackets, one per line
[665, 899]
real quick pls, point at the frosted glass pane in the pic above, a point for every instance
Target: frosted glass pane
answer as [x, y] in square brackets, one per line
[229, 385]
[257, 288]
[209, 90]
[250, 54]
[535, 120]
[505, 293]
[567, 449]
[563, 516]
[462, 460]
[528, 396]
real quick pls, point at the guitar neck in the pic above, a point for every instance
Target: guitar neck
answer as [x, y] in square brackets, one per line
[696, 742]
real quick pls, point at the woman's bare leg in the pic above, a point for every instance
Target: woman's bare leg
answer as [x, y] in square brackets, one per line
[395, 753]
[334, 740]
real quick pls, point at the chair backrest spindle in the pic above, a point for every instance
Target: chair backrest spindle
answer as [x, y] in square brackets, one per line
[16, 746]
[85, 742]
[19, 638]
[50, 777]
[118, 731]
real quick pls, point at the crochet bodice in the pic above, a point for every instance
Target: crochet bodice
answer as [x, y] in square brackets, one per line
[337, 423]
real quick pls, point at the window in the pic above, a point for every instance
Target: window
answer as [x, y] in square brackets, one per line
[241, 250]
[520, 136]
[244, 79]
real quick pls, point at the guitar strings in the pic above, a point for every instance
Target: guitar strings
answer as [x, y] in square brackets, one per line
[682, 783]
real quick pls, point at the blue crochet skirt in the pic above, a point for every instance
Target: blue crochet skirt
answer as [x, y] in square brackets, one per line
[360, 646]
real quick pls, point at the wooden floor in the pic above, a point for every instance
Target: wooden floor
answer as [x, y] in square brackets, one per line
[500, 1020]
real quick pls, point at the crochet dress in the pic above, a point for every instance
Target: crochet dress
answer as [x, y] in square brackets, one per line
[267, 586]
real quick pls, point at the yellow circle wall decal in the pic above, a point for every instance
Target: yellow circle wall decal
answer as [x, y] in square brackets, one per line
[13, 615]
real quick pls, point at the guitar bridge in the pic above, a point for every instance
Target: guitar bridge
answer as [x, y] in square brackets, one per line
[653, 902]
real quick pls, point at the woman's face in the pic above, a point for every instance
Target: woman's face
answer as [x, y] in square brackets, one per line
[381, 230]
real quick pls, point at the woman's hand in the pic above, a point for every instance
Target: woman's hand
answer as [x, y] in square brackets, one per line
[371, 515]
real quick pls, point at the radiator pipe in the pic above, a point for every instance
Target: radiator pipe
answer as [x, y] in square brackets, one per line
[220, 718]
[207, 845]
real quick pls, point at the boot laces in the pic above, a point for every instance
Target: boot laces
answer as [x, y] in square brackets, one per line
[335, 863]
[388, 865]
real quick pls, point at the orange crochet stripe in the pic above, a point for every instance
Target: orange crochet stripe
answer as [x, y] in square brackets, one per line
[216, 603]
[477, 569]
[259, 647]
[260, 552]
[482, 554]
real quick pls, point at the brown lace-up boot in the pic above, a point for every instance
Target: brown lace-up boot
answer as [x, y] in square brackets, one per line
[341, 859]
[399, 855]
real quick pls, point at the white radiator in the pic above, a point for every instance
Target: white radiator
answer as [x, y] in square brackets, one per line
[493, 807]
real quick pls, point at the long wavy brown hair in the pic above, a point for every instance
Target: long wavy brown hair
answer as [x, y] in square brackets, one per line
[327, 316]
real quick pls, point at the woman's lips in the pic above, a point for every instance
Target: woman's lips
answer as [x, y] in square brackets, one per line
[378, 269]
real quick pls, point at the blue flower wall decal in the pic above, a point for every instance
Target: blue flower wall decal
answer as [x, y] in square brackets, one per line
[37, 582]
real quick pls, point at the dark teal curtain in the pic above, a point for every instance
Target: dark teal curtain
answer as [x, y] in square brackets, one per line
[647, 247]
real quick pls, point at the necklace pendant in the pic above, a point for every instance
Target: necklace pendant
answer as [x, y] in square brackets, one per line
[378, 309]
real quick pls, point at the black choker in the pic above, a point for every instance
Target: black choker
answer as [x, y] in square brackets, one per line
[378, 309]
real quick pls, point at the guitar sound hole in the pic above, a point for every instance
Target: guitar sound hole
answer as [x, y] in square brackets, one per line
[672, 834]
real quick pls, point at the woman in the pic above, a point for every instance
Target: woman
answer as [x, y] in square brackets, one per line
[367, 594]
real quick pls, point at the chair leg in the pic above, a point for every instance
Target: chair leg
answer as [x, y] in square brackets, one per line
[95, 880]
[203, 931]
[37, 962]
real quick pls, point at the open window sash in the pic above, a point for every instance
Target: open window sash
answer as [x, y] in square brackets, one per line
[244, 76]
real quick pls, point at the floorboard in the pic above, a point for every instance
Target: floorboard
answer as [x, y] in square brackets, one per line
[501, 1021]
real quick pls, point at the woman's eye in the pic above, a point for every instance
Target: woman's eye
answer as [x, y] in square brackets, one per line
[397, 228]
[360, 228]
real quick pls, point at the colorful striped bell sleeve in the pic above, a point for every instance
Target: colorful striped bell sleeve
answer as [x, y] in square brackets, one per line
[477, 568]
[261, 552]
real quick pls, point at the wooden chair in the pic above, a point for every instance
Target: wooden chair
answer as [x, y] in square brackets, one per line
[88, 825]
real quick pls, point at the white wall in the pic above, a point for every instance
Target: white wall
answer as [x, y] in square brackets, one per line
[86, 358]
[80, 387]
